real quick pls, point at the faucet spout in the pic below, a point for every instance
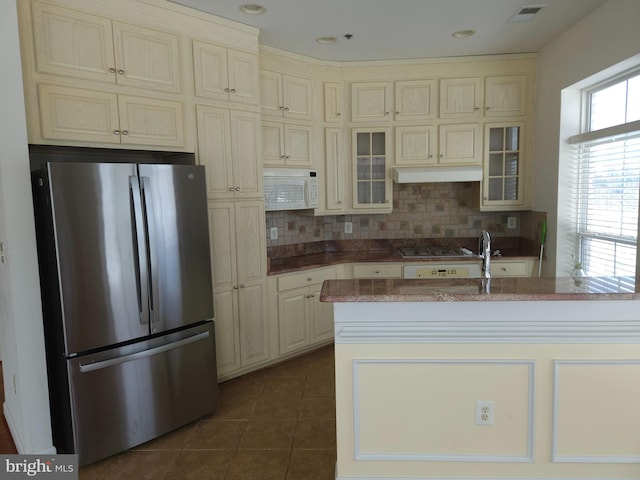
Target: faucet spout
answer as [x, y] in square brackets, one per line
[484, 252]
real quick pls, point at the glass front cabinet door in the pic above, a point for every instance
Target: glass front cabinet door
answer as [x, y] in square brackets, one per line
[371, 155]
[503, 165]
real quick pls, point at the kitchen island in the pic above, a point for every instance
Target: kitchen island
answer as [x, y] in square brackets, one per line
[514, 378]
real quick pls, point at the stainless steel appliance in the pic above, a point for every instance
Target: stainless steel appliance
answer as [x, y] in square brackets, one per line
[461, 263]
[127, 301]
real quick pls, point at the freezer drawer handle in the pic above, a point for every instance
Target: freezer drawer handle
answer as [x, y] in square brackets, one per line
[90, 367]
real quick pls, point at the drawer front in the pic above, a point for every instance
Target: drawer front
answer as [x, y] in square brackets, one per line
[509, 269]
[308, 277]
[377, 271]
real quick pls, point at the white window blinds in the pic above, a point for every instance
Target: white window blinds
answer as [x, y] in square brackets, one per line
[607, 193]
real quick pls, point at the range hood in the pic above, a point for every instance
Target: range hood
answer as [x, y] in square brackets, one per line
[437, 174]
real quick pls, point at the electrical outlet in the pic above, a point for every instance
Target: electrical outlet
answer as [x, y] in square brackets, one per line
[274, 233]
[348, 227]
[484, 413]
[512, 222]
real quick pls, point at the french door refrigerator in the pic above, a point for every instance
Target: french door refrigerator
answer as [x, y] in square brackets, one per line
[127, 299]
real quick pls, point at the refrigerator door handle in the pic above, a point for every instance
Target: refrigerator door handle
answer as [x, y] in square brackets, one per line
[152, 253]
[90, 367]
[140, 248]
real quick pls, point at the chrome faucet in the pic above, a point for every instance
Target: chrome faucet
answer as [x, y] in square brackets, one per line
[484, 252]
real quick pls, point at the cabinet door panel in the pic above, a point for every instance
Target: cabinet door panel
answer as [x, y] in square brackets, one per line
[321, 314]
[73, 44]
[415, 99]
[253, 323]
[415, 145]
[505, 95]
[272, 144]
[335, 168]
[296, 97]
[294, 327]
[460, 144]
[460, 97]
[214, 150]
[251, 241]
[147, 58]
[210, 70]
[297, 145]
[77, 114]
[223, 245]
[227, 341]
[271, 92]
[246, 152]
[369, 101]
[243, 77]
[151, 121]
[333, 102]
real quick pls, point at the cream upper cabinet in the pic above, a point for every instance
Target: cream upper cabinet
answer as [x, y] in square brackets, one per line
[77, 114]
[416, 145]
[225, 74]
[370, 101]
[239, 271]
[460, 97]
[460, 144]
[286, 144]
[403, 100]
[75, 44]
[229, 146]
[333, 102]
[371, 167]
[334, 174]
[505, 95]
[503, 182]
[285, 96]
[415, 100]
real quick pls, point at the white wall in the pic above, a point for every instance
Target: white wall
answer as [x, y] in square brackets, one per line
[605, 40]
[26, 404]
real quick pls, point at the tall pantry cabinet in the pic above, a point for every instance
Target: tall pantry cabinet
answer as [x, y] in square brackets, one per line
[155, 75]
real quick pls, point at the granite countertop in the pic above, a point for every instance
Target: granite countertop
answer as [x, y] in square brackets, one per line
[474, 290]
[292, 258]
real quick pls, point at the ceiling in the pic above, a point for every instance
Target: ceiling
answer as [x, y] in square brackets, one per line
[402, 29]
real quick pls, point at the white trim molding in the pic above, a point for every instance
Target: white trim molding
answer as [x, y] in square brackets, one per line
[359, 455]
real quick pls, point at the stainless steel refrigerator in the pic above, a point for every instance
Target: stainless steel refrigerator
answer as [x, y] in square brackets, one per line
[127, 299]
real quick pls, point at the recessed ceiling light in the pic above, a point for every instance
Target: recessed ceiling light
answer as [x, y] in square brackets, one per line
[326, 40]
[463, 33]
[252, 9]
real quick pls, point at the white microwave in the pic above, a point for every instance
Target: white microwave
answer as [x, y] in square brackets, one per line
[290, 189]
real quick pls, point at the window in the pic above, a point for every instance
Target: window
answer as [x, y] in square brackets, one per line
[607, 169]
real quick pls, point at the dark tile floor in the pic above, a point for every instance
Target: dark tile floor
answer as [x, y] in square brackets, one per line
[274, 424]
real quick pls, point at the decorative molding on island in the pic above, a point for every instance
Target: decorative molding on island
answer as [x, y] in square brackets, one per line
[417, 359]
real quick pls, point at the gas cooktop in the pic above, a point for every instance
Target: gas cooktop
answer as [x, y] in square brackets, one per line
[434, 252]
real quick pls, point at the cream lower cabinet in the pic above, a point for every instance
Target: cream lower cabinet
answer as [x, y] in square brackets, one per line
[304, 321]
[512, 268]
[75, 114]
[239, 274]
[377, 270]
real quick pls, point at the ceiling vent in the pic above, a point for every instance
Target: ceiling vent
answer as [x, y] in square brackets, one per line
[526, 13]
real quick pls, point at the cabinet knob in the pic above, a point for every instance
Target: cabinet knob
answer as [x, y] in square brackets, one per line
[504, 269]
[112, 70]
[377, 272]
[233, 90]
[116, 132]
[338, 114]
[288, 157]
[442, 155]
[312, 296]
[237, 189]
[282, 108]
[309, 279]
[487, 108]
[231, 189]
[226, 90]
[286, 109]
[235, 287]
[283, 157]
[430, 155]
[125, 132]
[242, 285]
[120, 72]
[386, 113]
[476, 109]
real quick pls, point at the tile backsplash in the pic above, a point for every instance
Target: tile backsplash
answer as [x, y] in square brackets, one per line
[420, 210]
